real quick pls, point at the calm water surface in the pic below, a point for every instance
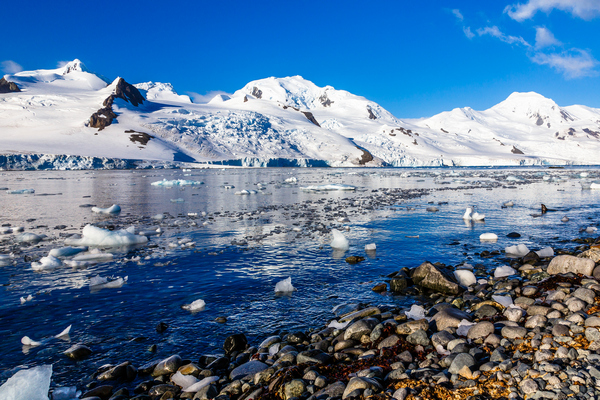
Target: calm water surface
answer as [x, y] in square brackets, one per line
[244, 245]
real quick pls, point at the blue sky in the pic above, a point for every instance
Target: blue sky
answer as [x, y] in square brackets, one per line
[415, 58]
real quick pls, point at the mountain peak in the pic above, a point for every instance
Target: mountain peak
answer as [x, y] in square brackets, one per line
[75, 65]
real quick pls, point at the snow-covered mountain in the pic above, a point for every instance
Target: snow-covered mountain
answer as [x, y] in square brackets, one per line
[69, 117]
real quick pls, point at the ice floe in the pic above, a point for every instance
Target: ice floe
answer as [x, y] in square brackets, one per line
[21, 191]
[114, 209]
[67, 251]
[46, 264]
[99, 282]
[176, 182]
[284, 286]
[328, 188]
[370, 247]
[339, 241]
[196, 305]
[94, 236]
[28, 384]
[29, 237]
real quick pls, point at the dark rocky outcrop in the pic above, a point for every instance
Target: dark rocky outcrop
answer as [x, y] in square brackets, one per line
[8, 87]
[105, 116]
[256, 92]
[325, 102]
[102, 118]
[311, 118]
[139, 137]
[366, 156]
[371, 115]
[514, 150]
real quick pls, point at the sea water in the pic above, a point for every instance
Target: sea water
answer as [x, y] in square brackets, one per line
[231, 250]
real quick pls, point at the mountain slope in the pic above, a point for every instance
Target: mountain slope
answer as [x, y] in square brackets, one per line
[275, 121]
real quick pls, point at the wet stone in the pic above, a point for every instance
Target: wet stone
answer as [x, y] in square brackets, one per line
[167, 366]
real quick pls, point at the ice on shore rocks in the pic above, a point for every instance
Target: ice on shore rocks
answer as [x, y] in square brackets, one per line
[114, 209]
[176, 182]
[517, 250]
[416, 312]
[339, 241]
[29, 237]
[46, 264]
[463, 327]
[503, 300]
[338, 325]
[184, 381]
[545, 252]
[284, 286]
[67, 251]
[28, 384]
[199, 385]
[465, 277]
[504, 271]
[94, 236]
[196, 305]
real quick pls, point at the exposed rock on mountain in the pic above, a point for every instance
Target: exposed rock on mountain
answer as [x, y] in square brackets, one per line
[8, 87]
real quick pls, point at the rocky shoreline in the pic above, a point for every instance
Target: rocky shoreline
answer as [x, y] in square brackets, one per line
[531, 335]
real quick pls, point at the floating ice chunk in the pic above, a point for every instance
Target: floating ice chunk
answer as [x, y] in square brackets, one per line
[66, 393]
[339, 240]
[488, 237]
[99, 282]
[463, 327]
[416, 312]
[27, 341]
[94, 256]
[157, 232]
[21, 191]
[503, 300]
[204, 382]
[64, 333]
[594, 186]
[184, 381]
[67, 251]
[343, 219]
[5, 260]
[26, 299]
[178, 200]
[29, 237]
[370, 247]
[158, 217]
[565, 219]
[79, 264]
[291, 180]
[338, 325]
[584, 175]
[94, 236]
[503, 271]
[28, 384]
[243, 192]
[465, 277]
[328, 188]
[176, 182]
[591, 229]
[114, 209]
[512, 178]
[432, 209]
[196, 305]
[46, 264]
[284, 286]
[517, 250]
[545, 252]
[509, 204]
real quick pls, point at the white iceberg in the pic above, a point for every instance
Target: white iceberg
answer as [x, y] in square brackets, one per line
[339, 240]
[26, 299]
[291, 180]
[28, 384]
[370, 247]
[504, 271]
[46, 264]
[176, 182]
[284, 286]
[99, 282]
[21, 191]
[416, 312]
[328, 188]
[94, 236]
[465, 277]
[517, 250]
[114, 209]
[545, 252]
[67, 251]
[196, 305]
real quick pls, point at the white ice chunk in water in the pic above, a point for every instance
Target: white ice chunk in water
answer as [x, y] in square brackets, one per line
[517, 250]
[503, 300]
[94, 236]
[463, 327]
[28, 384]
[465, 277]
[339, 240]
[416, 312]
[196, 305]
[29, 237]
[67, 251]
[284, 286]
[179, 200]
[591, 229]
[488, 237]
[99, 282]
[114, 209]
[5, 259]
[204, 382]
[27, 341]
[328, 188]
[94, 256]
[26, 299]
[176, 182]
[504, 271]
[184, 381]
[545, 252]
[370, 247]
[21, 191]
[46, 264]
[64, 333]
[291, 180]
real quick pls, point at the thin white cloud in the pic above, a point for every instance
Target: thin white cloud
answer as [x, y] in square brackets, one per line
[497, 33]
[457, 14]
[61, 64]
[545, 38]
[584, 9]
[10, 67]
[460, 18]
[468, 33]
[575, 63]
[205, 98]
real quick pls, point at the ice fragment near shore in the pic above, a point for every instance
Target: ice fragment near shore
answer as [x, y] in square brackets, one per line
[29, 237]
[46, 264]
[488, 237]
[463, 327]
[94, 236]
[545, 252]
[28, 384]
[27, 341]
[339, 240]
[284, 286]
[114, 209]
[184, 381]
[465, 277]
[503, 271]
[517, 250]
[197, 305]
[416, 312]
[99, 282]
[204, 382]
[503, 300]
[338, 325]
[176, 182]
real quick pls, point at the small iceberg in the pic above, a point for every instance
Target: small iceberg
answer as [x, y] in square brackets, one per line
[328, 188]
[291, 180]
[416, 312]
[517, 250]
[339, 241]
[196, 305]
[488, 237]
[284, 286]
[21, 191]
[26, 299]
[504, 271]
[67, 251]
[29, 237]
[114, 209]
[465, 277]
[370, 247]
[98, 282]
[94, 236]
[28, 384]
[545, 252]
[176, 182]
[46, 264]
